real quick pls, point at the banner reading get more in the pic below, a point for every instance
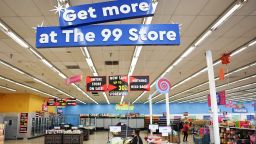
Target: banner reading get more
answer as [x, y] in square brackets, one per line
[105, 12]
[108, 35]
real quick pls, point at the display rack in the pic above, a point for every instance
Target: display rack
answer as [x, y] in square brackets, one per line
[147, 120]
[2, 133]
[232, 135]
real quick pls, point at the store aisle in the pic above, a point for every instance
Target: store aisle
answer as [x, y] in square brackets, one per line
[97, 138]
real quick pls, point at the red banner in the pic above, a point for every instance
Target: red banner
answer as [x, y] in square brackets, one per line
[221, 98]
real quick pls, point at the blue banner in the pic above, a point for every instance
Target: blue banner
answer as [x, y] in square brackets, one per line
[108, 35]
[239, 110]
[105, 11]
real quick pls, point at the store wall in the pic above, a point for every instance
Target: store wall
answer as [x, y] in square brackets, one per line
[72, 113]
[10, 103]
[175, 108]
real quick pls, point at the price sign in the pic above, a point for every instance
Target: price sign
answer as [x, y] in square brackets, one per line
[61, 102]
[96, 83]
[115, 129]
[165, 129]
[118, 85]
[153, 127]
[139, 83]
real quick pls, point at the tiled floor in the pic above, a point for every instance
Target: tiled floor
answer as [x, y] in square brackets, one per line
[97, 138]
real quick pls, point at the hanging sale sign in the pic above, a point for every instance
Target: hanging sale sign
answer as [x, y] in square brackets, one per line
[96, 83]
[105, 12]
[221, 98]
[118, 85]
[139, 83]
[108, 35]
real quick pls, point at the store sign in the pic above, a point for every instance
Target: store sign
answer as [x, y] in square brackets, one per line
[153, 127]
[108, 35]
[61, 102]
[139, 83]
[74, 79]
[118, 85]
[96, 83]
[124, 107]
[163, 86]
[239, 110]
[23, 123]
[221, 98]
[105, 12]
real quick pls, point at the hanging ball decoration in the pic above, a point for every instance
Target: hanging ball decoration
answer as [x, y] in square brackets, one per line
[225, 58]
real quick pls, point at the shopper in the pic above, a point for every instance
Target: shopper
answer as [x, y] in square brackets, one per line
[136, 137]
[185, 131]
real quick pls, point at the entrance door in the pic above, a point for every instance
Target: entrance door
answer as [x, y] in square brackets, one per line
[11, 127]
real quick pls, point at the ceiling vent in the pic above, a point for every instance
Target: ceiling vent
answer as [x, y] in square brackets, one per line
[95, 94]
[29, 82]
[72, 67]
[111, 62]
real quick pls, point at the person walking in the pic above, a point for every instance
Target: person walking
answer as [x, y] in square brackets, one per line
[185, 132]
[136, 137]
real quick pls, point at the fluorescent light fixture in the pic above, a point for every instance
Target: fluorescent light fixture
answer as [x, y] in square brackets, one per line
[47, 63]
[201, 39]
[177, 61]
[11, 67]
[105, 95]
[35, 53]
[81, 101]
[16, 38]
[28, 87]
[62, 75]
[87, 54]
[238, 51]
[122, 100]
[3, 27]
[7, 88]
[137, 51]
[89, 62]
[188, 51]
[252, 43]
[226, 16]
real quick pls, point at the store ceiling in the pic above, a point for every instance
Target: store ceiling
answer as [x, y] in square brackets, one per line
[194, 16]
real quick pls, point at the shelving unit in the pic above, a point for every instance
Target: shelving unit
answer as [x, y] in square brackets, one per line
[232, 135]
[1, 133]
[147, 120]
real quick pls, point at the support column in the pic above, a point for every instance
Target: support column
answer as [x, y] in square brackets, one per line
[150, 109]
[214, 106]
[167, 109]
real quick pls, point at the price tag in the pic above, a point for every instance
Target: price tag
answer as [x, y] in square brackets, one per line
[57, 128]
[153, 127]
[115, 129]
[165, 129]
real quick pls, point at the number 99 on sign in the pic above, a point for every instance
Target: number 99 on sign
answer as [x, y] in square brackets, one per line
[122, 88]
[107, 34]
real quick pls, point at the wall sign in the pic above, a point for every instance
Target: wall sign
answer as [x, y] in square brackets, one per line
[108, 35]
[118, 85]
[239, 110]
[124, 107]
[23, 122]
[74, 79]
[163, 86]
[139, 83]
[105, 11]
[96, 83]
